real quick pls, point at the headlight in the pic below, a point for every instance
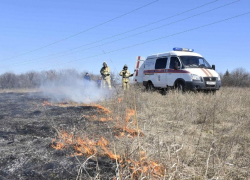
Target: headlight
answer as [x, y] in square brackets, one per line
[218, 77]
[194, 77]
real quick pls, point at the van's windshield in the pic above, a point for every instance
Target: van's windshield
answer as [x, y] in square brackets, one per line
[194, 62]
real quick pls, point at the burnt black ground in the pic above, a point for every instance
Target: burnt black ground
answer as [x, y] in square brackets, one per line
[26, 132]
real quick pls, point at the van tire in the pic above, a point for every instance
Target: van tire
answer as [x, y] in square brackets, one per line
[213, 92]
[180, 86]
[150, 87]
[164, 91]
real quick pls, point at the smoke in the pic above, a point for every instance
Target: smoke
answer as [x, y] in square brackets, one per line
[72, 87]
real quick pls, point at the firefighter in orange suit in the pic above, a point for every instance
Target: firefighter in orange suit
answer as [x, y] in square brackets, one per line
[125, 77]
[105, 72]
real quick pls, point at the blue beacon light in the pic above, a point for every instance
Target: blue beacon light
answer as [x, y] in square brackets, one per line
[183, 49]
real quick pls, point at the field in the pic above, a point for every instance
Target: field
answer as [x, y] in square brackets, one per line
[133, 135]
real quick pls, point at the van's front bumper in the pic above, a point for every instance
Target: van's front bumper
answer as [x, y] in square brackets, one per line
[201, 85]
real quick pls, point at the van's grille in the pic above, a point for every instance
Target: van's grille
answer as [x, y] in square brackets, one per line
[209, 78]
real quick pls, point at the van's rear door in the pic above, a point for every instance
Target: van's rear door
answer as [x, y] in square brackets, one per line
[138, 74]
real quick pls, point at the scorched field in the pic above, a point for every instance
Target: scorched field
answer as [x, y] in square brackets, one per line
[131, 135]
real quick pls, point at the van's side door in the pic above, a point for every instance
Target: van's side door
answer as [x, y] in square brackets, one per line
[160, 72]
[173, 74]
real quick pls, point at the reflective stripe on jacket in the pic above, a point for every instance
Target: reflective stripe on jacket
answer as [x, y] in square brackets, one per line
[125, 75]
[105, 72]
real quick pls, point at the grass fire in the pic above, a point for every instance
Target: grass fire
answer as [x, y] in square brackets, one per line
[133, 135]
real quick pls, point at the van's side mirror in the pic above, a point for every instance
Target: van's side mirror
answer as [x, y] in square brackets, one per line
[176, 65]
[213, 67]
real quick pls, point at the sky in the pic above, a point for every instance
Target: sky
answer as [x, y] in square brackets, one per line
[38, 35]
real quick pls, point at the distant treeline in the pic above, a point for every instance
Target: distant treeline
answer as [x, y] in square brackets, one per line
[34, 79]
[238, 77]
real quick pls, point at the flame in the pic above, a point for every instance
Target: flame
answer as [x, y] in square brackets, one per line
[67, 138]
[70, 104]
[46, 103]
[106, 119]
[58, 145]
[129, 114]
[120, 100]
[103, 143]
[87, 147]
[146, 167]
[103, 109]
[122, 129]
[82, 146]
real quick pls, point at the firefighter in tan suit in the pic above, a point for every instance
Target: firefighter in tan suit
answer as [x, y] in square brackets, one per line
[105, 72]
[125, 77]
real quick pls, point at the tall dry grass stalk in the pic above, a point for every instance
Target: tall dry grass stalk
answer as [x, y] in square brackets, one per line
[20, 90]
[191, 135]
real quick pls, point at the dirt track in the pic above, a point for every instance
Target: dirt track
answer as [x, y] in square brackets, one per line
[26, 132]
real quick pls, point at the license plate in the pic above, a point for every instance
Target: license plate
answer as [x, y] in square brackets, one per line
[211, 82]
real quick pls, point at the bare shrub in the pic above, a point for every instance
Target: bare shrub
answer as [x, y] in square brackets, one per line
[239, 77]
[8, 80]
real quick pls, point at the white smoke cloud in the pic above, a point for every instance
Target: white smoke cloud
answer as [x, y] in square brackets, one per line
[72, 87]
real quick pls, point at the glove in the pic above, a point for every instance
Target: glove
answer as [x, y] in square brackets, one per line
[131, 75]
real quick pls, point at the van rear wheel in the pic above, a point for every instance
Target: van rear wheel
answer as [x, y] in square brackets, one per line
[150, 87]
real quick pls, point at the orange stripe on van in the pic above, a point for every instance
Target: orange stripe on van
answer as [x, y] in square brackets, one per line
[204, 72]
[209, 72]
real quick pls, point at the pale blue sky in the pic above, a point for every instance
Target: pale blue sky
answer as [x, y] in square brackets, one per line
[28, 25]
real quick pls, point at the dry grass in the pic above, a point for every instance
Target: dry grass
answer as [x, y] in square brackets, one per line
[190, 136]
[140, 135]
[177, 136]
[19, 90]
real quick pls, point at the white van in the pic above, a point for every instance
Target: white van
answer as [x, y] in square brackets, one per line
[181, 68]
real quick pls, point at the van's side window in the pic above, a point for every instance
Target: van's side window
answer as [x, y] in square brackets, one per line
[161, 63]
[172, 62]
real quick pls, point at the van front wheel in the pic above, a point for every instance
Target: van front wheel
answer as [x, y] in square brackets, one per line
[180, 86]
